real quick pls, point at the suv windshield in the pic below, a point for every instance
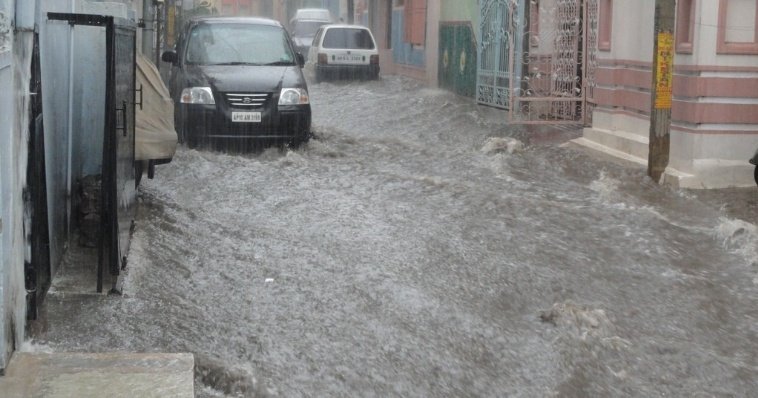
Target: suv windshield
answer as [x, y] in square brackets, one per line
[229, 44]
[348, 38]
[306, 28]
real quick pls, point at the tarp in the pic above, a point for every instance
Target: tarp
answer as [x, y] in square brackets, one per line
[154, 135]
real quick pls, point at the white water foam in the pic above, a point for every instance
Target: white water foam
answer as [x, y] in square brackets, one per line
[740, 237]
[31, 347]
[605, 186]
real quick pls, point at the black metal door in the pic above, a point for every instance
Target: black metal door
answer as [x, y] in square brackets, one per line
[119, 193]
[37, 265]
[118, 188]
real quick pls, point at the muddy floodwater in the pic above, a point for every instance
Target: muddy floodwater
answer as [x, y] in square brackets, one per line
[419, 246]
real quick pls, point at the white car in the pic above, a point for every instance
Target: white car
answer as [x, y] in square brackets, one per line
[344, 51]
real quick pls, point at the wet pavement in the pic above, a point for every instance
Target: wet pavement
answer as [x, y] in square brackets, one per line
[420, 246]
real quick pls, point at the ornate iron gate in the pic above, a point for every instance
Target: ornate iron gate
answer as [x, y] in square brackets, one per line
[537, 59]
[494, 83]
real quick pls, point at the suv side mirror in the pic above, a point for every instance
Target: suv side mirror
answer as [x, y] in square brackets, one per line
[170, 57]
[300, 59]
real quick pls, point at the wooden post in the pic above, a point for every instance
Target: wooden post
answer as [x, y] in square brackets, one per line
[661, 90]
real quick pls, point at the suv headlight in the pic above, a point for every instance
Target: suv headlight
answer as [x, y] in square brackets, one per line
[294, 96]
[197, 95]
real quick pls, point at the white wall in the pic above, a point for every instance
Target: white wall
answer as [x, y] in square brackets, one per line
[15, 58]
[632, 31]
[716, 161]
[6, 182]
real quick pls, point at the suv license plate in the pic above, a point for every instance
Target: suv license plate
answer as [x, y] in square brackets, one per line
[246, 117]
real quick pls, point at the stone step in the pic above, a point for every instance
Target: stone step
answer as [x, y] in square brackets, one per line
[13, 387]
[632, 144]
[116, 375]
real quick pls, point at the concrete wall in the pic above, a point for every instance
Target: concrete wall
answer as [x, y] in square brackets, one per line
[15, 58]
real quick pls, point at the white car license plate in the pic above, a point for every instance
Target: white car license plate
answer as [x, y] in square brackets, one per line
[246, 117]
[348, 58]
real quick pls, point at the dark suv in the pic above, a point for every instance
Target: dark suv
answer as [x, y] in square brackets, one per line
[238, 81]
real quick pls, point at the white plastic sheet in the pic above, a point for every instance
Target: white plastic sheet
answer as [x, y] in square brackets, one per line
[155, 134]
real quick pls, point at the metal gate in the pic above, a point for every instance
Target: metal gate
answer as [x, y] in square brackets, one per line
[117, 204]
[495, 73]
[537, 59]
[119, 188]
[37, 275]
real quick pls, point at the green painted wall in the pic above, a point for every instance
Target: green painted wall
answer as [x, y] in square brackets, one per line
[457, 60]
[459, 28]
[460, 10]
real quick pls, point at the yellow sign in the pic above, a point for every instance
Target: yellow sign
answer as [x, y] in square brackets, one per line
[170, 26]
[664, 71]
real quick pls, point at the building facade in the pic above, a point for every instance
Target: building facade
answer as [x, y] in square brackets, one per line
[590, 61]
[714, 127]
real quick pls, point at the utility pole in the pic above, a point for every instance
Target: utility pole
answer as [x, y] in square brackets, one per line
[157, 23]
[661, 90]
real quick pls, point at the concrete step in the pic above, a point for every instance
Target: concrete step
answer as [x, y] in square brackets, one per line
[609, 151]
[85, 375]
[621, 141]
[14, 387]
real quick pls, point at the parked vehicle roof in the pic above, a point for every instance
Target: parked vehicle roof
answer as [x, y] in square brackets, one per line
[225, 19]
[321, 14]
[341, 25]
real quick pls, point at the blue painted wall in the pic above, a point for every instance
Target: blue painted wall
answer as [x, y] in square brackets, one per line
[402, 52]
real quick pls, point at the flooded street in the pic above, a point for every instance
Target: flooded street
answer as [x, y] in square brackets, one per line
[419, 246]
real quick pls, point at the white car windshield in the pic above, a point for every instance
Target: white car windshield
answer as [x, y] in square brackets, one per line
[238, 44]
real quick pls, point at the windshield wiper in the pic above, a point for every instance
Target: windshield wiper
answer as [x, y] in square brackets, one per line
[236, 63]
[280, 63]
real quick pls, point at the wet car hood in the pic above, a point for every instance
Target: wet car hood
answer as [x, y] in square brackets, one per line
[239, 78]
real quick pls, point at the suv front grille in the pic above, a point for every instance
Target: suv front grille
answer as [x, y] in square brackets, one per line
[252, 100]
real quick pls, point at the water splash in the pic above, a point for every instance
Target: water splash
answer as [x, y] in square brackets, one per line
[583, 323]
[495, 145]
[740, 237]
[32, 346]
[605, 186]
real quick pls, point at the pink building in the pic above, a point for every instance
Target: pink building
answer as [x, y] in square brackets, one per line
[714, 128]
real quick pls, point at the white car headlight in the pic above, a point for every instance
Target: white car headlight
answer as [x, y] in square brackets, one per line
[197, 95]
[294, 96]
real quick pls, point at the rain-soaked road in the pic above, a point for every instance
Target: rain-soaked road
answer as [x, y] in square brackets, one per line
[392, 256]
